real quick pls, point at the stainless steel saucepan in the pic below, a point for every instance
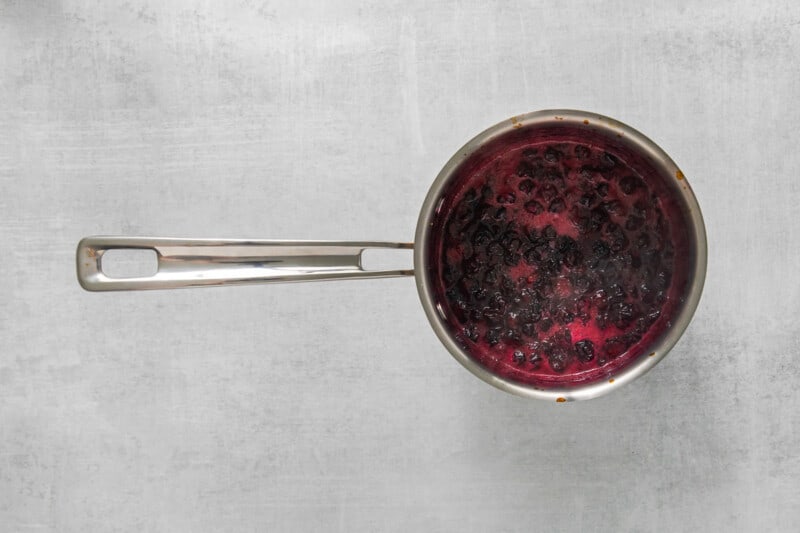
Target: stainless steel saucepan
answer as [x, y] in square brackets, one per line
[213, 262]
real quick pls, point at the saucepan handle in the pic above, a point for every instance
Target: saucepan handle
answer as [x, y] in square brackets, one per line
[211, 262]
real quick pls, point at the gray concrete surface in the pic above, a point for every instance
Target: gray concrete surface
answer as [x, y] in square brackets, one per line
[332, 407]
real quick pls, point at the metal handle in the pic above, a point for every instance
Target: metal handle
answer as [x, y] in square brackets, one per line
[208, 262]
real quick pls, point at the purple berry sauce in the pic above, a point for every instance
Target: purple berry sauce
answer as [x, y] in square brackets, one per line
[560, 257]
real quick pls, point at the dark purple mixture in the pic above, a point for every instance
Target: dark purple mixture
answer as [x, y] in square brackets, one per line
[557, 260]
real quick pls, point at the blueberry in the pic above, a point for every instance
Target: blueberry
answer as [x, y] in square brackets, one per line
[464, 212]
[545, 324]
[533, 207]
[600, 249]
[587, 199]
[639, 208]
[493, 336]
[495, 249]
[621, 314]
[563, 337]
[558, 359]
[661, 281]
[597, 217]
[479, 293]
[529, 153]
[481, 237]
[608, 161]
[585, 350]
[549, 233]
[551, 155]
[526, 186]
[511, 242]
[633, 223]
[524, 169]
[581, 152]
[652, 316]
[619, 241]
[471, 332]
[557, 205]
[532, 255]
[573, 258]
[512, 337]
[602, 189]
[499, 213]
[548, 192]
[615, 293]
[507, 198]
[643, 241]
[518, 357]
[528, 329]
[535, 359]
[511, 259]
[612, 207]
[629, 184]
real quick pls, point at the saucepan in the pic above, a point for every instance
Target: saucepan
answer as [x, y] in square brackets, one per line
[505, 361]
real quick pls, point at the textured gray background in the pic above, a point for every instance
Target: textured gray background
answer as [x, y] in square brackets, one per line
[333, 406]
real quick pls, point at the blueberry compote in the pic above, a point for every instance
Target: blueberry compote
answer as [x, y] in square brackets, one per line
[557, 260]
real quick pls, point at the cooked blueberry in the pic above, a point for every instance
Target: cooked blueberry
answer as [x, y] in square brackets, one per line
[528, 329]
[563, 337]
[511, 258]
[587, 199]
[629, 184]
[558, 359]
[511, 242]
[573, 258]
[524, 169]
[612, 207]
[551, 155]
[639, 208]
[548, 192]
[557, 205]
[471, 332]
[602, 189]
[585, 350]
[621, 314]
[493, 336]
[511, 336]
[581, 152]
[600, 249]
[507, 198]
[633, 223]
[535, 359]
[526, 186]
[518, 357]
[533, 207]
[661, 281]
[597, 217]
[608, 161]
[549, 233]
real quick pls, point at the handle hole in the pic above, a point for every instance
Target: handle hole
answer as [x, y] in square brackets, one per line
[129, 263]
[385, 259]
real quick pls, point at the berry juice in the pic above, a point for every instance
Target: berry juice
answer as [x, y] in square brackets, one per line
[559, 256]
